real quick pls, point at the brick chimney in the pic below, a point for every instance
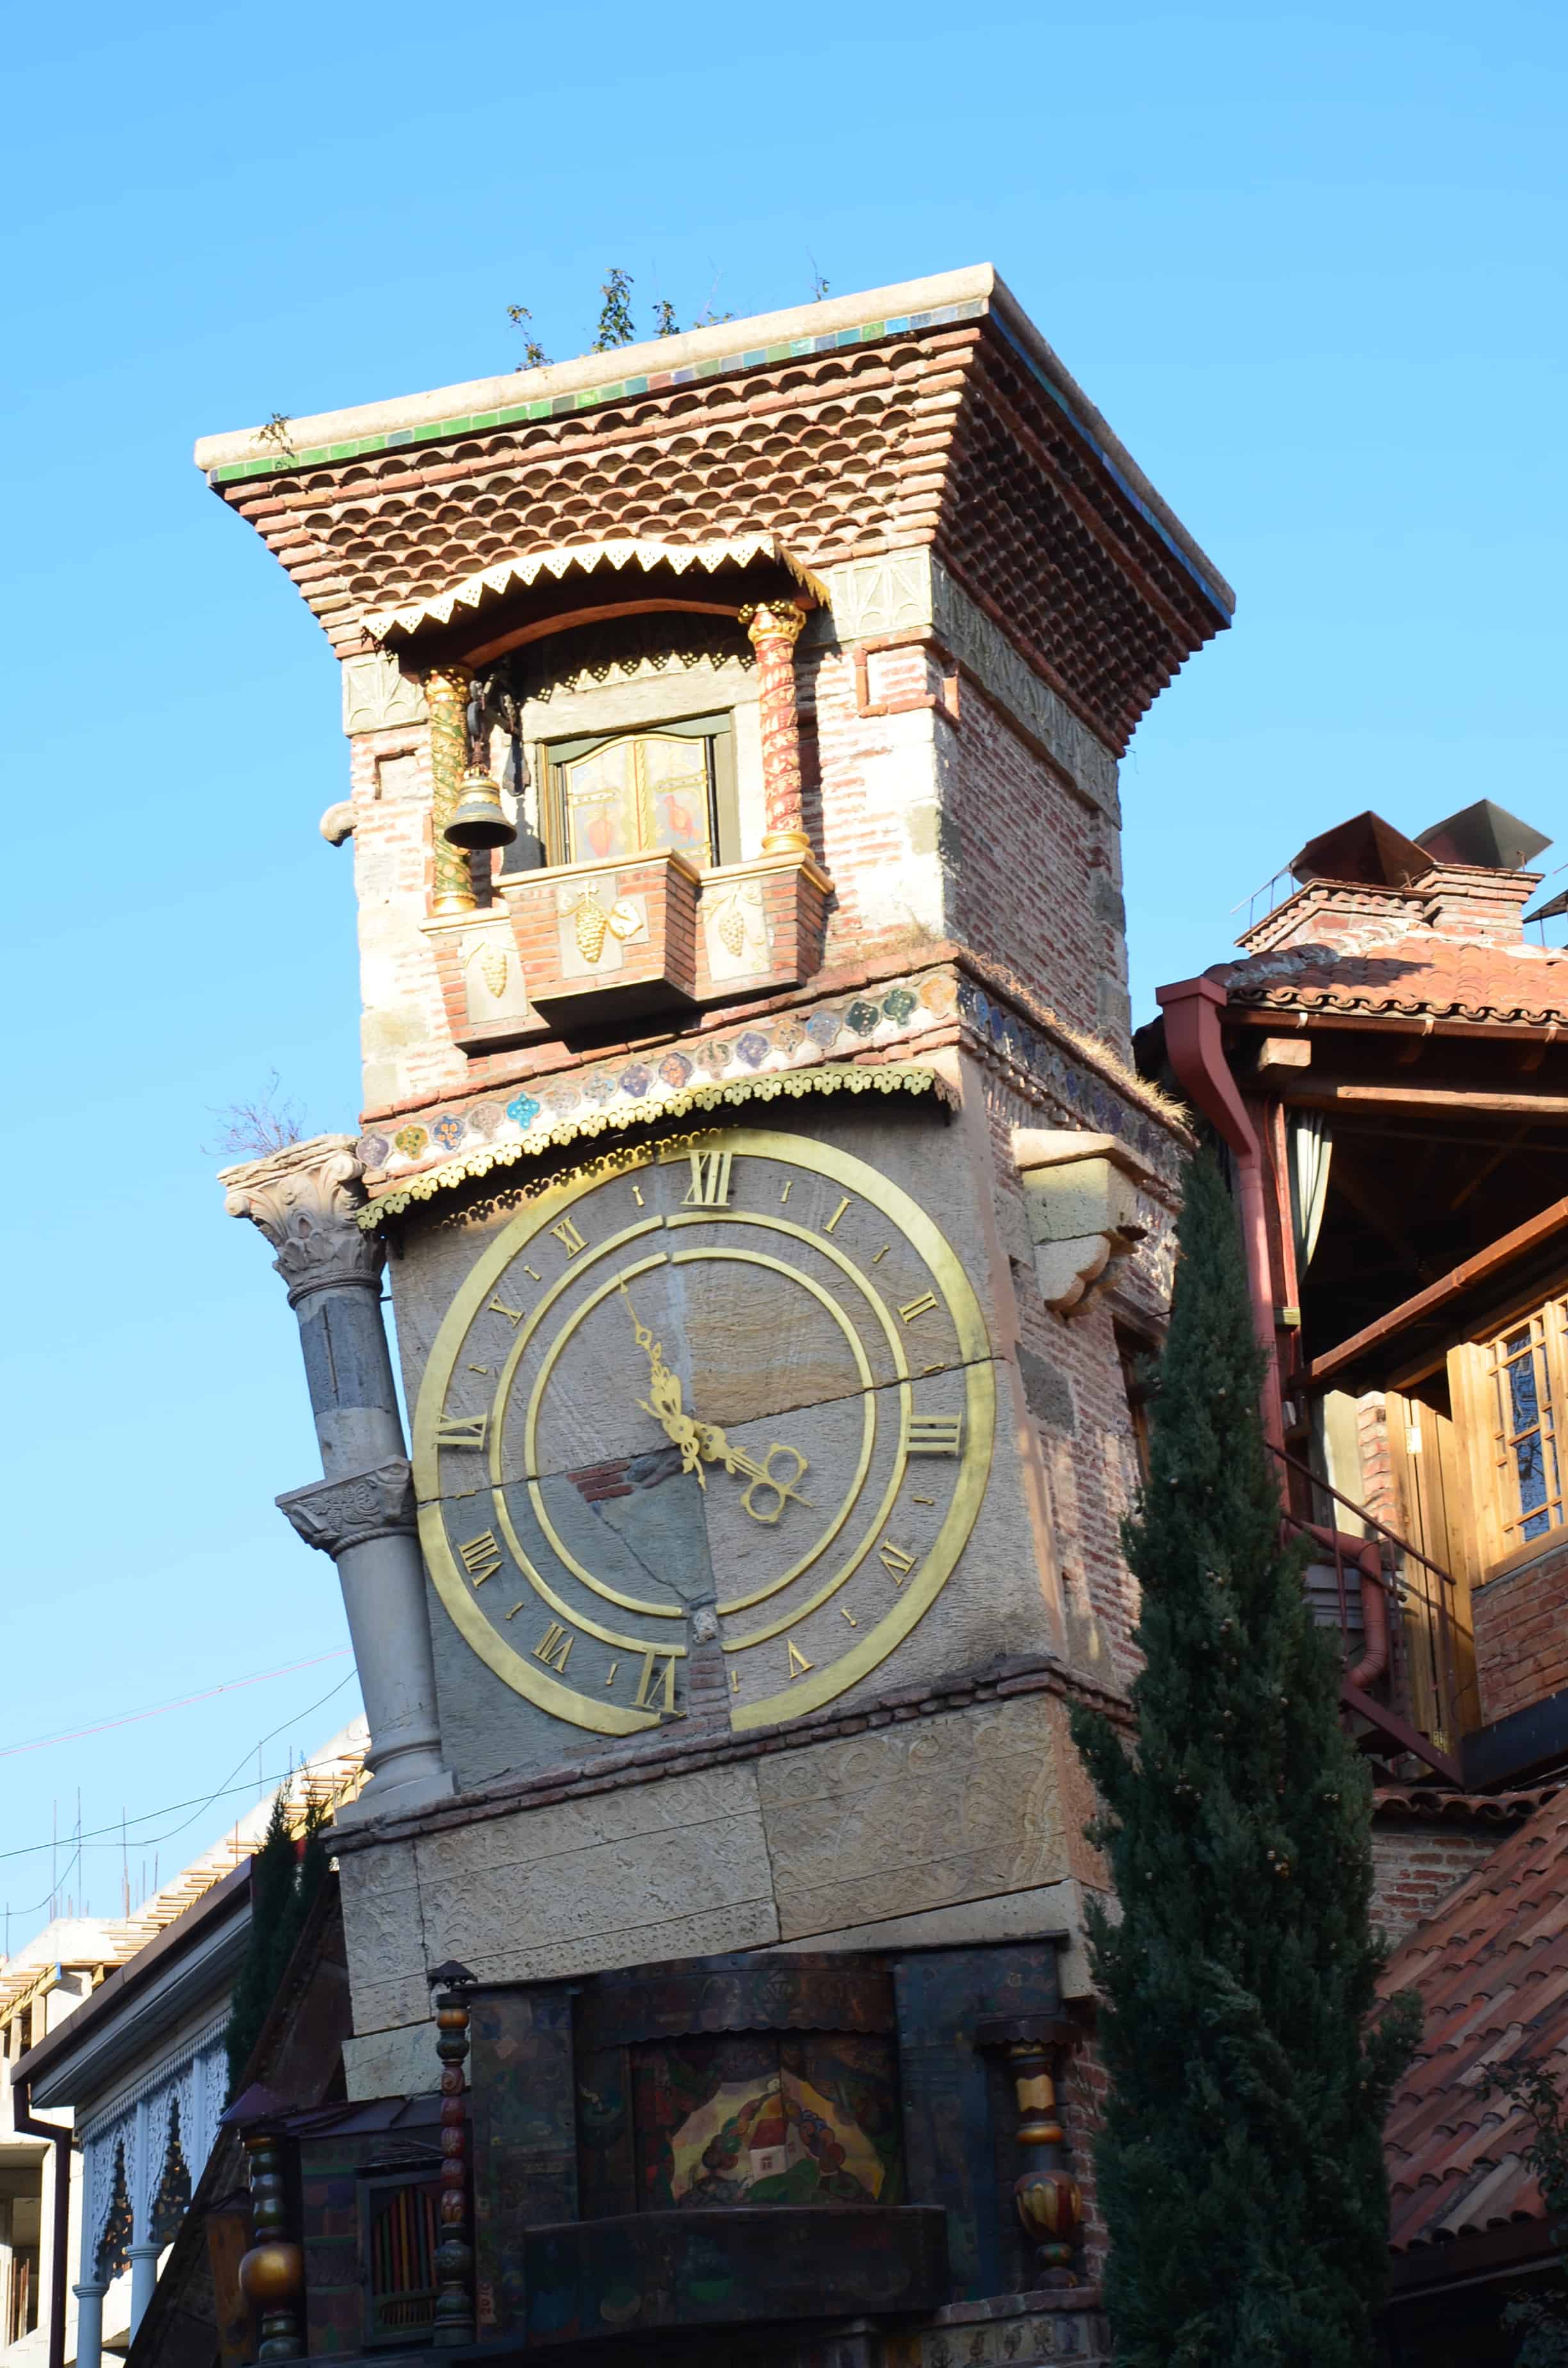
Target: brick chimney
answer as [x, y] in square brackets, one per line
[1474, 901]
[1465, 903]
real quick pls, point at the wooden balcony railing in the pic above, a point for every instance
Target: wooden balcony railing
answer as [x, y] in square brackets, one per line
[1404, 1633]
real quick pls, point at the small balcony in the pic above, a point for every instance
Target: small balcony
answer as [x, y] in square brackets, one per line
[572, 945]
[611, 940]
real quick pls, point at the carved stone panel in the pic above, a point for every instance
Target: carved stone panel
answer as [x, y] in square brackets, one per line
[377, 695]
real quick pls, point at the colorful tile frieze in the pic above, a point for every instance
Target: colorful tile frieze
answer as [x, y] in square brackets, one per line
[1073, 1083]
[587, 397]
[789, 1046]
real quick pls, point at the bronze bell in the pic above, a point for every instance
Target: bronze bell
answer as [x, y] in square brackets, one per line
[479, 818]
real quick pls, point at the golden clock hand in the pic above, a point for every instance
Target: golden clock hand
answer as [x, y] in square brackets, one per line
[701, 1442]
[664, 1401]
[717, 1448]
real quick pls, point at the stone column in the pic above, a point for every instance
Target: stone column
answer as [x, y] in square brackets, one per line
[773, 628]
[305, 1199]
[446, 690]
[90, 2321]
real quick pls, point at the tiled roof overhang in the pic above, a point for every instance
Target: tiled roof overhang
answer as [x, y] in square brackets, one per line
[1491, 1969]
[1410, 978]
[866, 426]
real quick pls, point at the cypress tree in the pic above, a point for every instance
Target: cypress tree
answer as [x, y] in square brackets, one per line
[1240, 2166]
[286, 1877]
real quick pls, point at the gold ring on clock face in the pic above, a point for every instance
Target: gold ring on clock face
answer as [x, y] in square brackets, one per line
[728, 1397]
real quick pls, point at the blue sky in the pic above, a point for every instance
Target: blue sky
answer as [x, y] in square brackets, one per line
[1309, 264]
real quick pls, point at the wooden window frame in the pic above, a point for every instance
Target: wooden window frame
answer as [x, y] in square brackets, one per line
[1133, 1348]
[716, 728]
[1476, 1377]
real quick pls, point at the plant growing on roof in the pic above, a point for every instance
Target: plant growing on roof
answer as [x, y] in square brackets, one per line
[253, 1130]
[534, 355]
[1240, 2169]
[615, 326]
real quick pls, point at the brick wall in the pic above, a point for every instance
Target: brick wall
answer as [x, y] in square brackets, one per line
[1034, 877]
[1081, 2104]
[1378, 1492]
[1415, 1865]
[1076, 1394]
[1521, 1622]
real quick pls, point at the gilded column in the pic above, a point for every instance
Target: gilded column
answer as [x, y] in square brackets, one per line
[446, 690]
[1045, 2194]
[773, 628]
[306, 1200]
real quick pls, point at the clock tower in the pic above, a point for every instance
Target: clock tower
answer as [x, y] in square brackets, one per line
[773, 1222]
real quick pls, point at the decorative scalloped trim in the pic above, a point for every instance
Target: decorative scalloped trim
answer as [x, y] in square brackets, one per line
[584, 558]
[897, 1077]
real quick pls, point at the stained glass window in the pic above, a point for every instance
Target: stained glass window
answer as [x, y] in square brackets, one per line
[624, 794]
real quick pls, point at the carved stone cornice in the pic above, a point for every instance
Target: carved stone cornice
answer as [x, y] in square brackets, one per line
[306, 1200]
[336, 1514]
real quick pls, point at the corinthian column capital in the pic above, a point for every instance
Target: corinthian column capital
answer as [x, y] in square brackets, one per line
[337, 1514]
[306, 1200]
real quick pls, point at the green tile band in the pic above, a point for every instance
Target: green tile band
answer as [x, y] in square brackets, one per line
[588, 398]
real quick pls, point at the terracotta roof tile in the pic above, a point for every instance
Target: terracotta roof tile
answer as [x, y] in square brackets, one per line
[934, 431]
[1448, 978]
[1492, 1971]
[1439, 1804]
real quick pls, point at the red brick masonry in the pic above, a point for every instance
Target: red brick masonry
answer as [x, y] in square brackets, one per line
[1520, 1621]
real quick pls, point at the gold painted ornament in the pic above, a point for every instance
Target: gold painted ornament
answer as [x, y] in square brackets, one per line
[272, 2272]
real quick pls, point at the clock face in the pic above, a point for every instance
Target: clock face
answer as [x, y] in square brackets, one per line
[730, 1396]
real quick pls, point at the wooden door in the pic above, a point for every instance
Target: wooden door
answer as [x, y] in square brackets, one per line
[1428, 1464]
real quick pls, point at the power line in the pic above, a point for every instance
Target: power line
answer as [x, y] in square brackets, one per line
[145, 1841]
[182, 1701]
[39, 1904]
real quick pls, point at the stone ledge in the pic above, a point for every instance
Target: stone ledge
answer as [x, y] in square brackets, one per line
[1004, 1681]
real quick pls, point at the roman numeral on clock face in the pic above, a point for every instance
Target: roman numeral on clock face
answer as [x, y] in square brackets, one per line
[924, 1305]
[895, 1562]
[571, 1240]
[554, 1647]
[709, 1186]
[657, 1686]
[935, 1434]
[462, 1430]
[481, 1556]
